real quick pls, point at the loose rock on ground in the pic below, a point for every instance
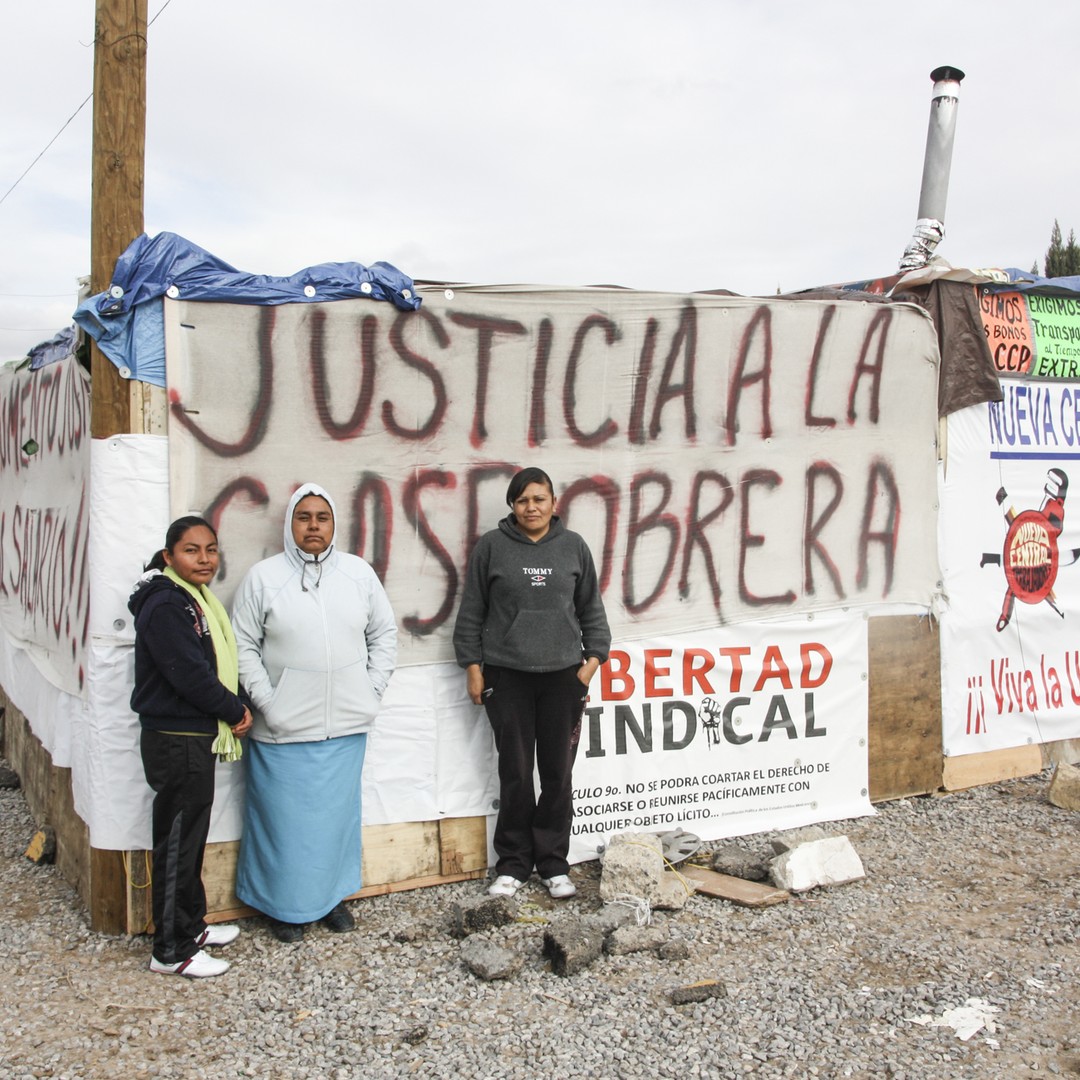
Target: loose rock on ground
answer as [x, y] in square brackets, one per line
[971, 896]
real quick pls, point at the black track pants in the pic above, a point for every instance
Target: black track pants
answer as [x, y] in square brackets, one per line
[535, 716]
[180, 770]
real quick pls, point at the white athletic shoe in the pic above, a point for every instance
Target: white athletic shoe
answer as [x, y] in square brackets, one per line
[218, 935]
[200, 966]
[504, 885]
[559, 887]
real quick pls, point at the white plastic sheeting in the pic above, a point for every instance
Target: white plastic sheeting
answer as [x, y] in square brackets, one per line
[417, 769]
[727, 459]
[431, 754]
[44, 464]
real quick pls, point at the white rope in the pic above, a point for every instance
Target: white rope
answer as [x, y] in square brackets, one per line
[640, 907]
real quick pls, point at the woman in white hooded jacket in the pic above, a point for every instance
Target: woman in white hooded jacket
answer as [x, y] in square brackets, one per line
[317, 644]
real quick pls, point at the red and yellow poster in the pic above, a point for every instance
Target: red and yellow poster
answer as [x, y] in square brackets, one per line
[1008, 330]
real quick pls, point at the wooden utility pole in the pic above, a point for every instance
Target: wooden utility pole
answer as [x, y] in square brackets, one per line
[116, 218]
[116, 203]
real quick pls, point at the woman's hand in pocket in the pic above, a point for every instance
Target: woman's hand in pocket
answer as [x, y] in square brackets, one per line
[474, 683]
[588, 670]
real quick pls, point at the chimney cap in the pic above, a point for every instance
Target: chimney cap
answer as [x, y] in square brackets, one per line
[947, 72]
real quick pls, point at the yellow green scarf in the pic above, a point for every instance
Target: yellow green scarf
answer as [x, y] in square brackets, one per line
[227, 746]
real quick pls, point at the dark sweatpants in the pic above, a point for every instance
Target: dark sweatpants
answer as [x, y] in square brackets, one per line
[180, 770]
[534, 714]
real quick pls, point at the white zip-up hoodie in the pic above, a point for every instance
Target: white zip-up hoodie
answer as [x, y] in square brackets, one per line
[316, 638]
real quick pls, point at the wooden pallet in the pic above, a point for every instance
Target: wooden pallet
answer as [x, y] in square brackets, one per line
[739, 891]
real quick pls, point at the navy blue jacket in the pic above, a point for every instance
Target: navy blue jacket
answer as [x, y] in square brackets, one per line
[176, 681]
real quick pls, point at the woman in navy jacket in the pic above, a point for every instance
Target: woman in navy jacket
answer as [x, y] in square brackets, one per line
[191, 710]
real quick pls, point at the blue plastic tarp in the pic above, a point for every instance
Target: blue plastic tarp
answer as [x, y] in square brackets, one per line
[133, 340]
[58, 347]
[127, 321]
[1023, 280]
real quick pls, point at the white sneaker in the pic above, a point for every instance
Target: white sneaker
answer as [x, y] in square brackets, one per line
[559, 887]
[200, 966]
[218, 935]
[504, 885]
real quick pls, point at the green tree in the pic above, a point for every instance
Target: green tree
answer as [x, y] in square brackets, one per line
[1072, 256]
[1062, 260]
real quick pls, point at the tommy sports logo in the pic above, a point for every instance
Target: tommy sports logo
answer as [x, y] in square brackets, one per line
[538, 575]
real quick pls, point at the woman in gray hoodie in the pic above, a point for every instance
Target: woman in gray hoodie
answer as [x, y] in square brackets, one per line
[530, 633]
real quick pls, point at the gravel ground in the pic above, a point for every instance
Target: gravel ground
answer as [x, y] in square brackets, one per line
[973, 895]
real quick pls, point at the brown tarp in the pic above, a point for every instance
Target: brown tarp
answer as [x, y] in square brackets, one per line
[967, 368]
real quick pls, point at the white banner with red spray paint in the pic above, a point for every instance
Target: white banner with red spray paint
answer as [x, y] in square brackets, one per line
[725, 732]
[1010, 640]
[726, 458]
[44, 517]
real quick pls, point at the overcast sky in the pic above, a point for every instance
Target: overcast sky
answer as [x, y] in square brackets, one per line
[674, 146]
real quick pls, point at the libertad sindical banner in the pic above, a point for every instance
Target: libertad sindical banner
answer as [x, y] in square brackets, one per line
[1010, 640]
[724, 733]
[726, 458]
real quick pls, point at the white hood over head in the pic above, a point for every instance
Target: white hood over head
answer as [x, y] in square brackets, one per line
[297, 556]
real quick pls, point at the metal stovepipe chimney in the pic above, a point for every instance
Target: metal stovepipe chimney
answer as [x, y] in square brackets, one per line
[930, 228]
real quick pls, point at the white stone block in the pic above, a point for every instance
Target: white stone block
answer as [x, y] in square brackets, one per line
[832, 861]
[1065, 787]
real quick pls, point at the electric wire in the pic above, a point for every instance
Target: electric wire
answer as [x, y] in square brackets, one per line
[28, 329]
[67, 122]
[47, 145]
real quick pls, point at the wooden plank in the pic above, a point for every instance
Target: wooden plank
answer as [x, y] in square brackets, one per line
[108, 892]
[149, 408]
[971, 770]
[219, 881]
[418, 883]
[736, 889]
[73, 853]
[242, 912]
[219, 875]
[463, 845]
[113, 884]
[50, 800]
[391, 854]
[396, 858]
[400, 852]
[138, 880]
[29, 759]
[905, 751]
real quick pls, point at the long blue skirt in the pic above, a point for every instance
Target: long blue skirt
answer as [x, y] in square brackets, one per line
[300, 852]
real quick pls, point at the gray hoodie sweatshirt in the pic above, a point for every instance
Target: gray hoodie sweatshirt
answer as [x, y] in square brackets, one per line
[531, 606]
